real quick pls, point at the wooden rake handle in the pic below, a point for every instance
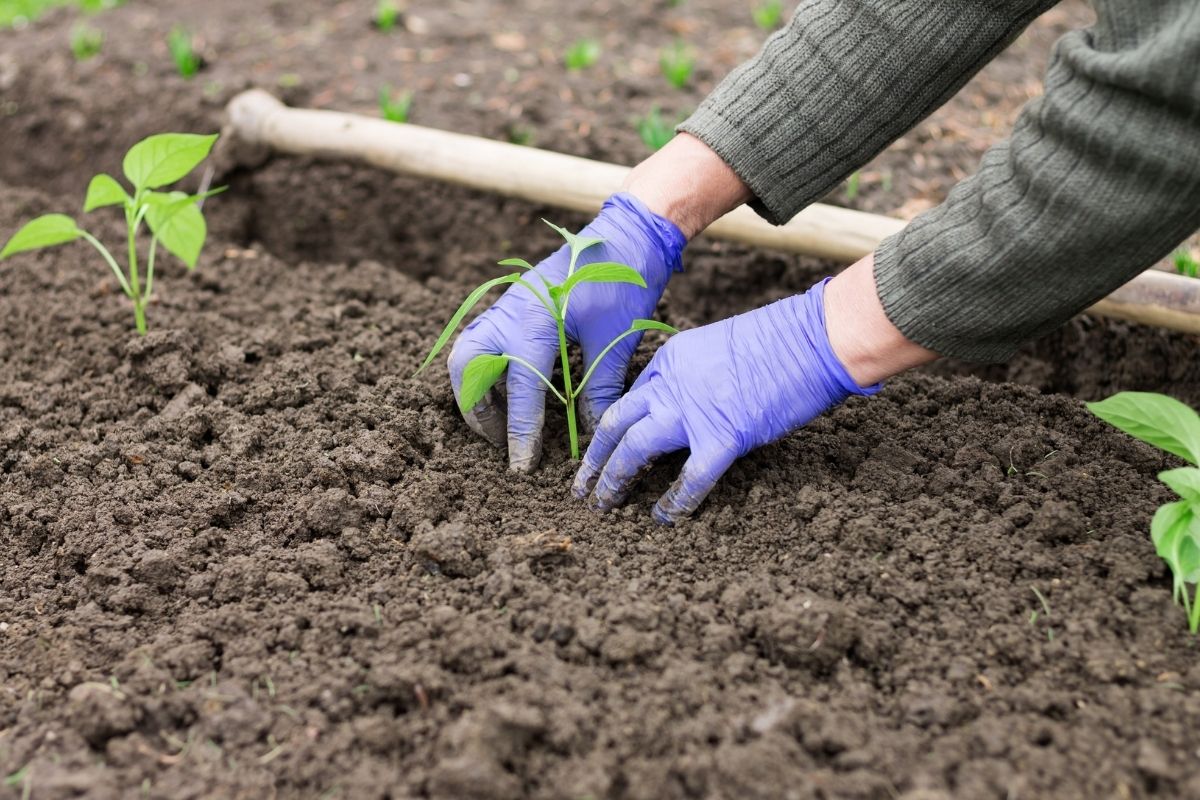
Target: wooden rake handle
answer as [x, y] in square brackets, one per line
[256, 118]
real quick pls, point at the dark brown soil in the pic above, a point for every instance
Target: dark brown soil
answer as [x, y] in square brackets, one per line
[248, 556]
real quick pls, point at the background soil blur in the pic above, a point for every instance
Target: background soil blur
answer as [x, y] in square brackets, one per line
[249, 556]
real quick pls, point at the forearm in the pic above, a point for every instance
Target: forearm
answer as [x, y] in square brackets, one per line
[688, 184]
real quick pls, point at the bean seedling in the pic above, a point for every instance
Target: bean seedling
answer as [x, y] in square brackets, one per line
[767, 15]
[582, 54]
[394, 107]
[482, 372]
[174, 218]
[183, 52]
[1172, 426]
[677, 63]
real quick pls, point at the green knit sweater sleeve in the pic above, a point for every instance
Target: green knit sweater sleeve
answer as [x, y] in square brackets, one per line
[1100, 178]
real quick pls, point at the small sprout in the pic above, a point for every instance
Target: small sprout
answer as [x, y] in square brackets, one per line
[387, 14]
[482, 372]
[1172, 426]
[183, 53]
[677, 63]
[1185, 263]
[86, 41]
[394, 107]
[582, 54]
[654, 130]
[378, 611]
[174, 218]
[1033, 616]
[520, 134]
[852, 186]
[768, 14]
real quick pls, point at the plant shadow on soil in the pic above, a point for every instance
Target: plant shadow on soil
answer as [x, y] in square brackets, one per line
[249, 556]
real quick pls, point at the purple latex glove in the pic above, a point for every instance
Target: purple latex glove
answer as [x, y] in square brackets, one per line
[519, 325]
[720, 391]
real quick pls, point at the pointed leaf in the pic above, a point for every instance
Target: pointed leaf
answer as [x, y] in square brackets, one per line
[179, 226]
[577, 243]
[45, 231]
[466, 306]
[652, 325]
[1156, 419]
[104, 191]
[515, 262]
[603, 272]
[480, 374]
[1185, 482]
[165, 158]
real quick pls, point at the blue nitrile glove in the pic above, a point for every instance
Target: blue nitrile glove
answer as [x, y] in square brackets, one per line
[519, 325]
[720, 391]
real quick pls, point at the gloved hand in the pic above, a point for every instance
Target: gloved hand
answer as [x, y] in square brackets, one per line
[719, 391]
[519, 325]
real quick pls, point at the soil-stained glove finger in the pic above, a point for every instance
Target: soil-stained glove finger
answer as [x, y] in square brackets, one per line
[699, 475]
[607, 381]
[619, 418]
[487, 418]
[527, 411]
[639, 447]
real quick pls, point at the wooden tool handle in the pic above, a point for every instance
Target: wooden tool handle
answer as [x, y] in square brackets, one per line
[580, 184]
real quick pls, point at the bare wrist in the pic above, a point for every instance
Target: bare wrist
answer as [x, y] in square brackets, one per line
[688, 184]
[869, 346]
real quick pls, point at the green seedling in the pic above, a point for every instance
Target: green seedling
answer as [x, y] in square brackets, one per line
[582, 54]
[86, 41]
[387, 14]
[520, 134]
[677, 63]
[852, 186]
[394, 107]
[174, 218]
[654, 130]
[482, 372]
[1185, 263]
[183, 52]
[768, 15]
[1172, 426]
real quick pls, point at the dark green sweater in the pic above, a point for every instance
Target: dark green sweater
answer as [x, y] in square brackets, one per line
[1100, 178]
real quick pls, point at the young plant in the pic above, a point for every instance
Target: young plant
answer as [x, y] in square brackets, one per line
[86, 41]
[677, 63]
[183, 53]
[482, 372]
[1185, 263]
[1172, 426]
[387, 14]
[582, 54]
[852, 186]
[394, 107]
[174, 218]
[654, 130]
[768, 14]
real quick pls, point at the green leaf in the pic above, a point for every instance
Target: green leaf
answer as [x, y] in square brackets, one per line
[178, 223]
[480, 374]
[603, 272]
[45, 231]
[1156, 419]
[1185, 482]
[466, 306]
[104, 191]
[578, 243]
[652, 325]
[515, 262]
[165, 158]
[1174, 530]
